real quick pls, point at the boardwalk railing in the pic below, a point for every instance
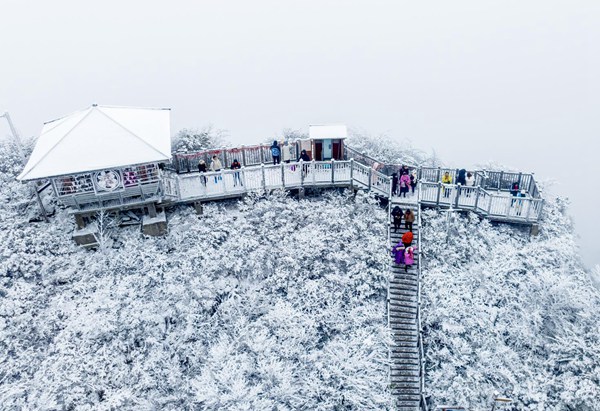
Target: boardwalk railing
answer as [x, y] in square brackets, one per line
[195, 186]
[493, 205]
[227, 183]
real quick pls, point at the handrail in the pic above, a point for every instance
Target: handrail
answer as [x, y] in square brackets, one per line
[419, 325]
[195, 186]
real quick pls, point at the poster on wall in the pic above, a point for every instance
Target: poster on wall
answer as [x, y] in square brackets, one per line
[108, 180]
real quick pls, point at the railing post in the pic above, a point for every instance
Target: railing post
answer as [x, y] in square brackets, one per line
[439, 192]
[477, 198]
[264, 180]
[390, 189]
[490, 204]
[370, 177]
[282, 175]
[243, 156]
[500, 180]
[528, 209]
[262, 155]
[352, 173]
[301, 172]
[457, 195]
[332, 172]
[222, 176]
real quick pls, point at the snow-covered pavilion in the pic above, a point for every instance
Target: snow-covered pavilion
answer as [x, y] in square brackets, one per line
[326, 141]
[103, 156]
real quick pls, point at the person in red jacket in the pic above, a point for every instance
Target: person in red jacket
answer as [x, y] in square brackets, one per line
[407, 239]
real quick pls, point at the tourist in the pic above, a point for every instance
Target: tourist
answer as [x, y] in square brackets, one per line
[462, 177]
[409, 219]
[305, 158]
[394, 184]
[514, 190]
[470, 180]
[404, 184]
[397, 216]
[407, 238]
[409, 257]
[216, 166]
[413, 181]
[287, 152]
[236, 175]
[398, 253]
[202, 170]
[404, 170]
[446, 179]
[276, 153]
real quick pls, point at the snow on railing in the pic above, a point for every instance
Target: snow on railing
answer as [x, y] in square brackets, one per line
[229, 183]
[499, 204]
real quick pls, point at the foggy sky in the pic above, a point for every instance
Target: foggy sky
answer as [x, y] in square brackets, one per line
[507, 81]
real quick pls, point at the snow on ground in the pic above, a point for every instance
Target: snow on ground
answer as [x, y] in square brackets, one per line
[269, 303]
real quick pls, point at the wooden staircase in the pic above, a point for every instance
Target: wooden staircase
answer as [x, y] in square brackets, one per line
[406, 377]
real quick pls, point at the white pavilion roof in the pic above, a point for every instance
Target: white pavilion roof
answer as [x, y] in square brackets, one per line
[327, 131]
[98, 138]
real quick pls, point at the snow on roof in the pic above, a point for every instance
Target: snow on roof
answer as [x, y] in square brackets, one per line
[98, 138]
[327, 131]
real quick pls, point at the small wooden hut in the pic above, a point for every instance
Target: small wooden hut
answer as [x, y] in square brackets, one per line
[326, 142]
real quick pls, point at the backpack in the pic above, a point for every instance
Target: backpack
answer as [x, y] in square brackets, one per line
[275, 151]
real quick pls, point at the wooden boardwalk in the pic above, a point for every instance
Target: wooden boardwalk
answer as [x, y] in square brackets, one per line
[406, 372]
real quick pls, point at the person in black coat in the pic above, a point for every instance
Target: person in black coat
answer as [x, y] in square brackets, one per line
[462, 177]
[202, 170]
[235, 165]
[394, 183]
[397, 216]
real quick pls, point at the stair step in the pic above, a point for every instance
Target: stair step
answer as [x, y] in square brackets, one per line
[406, 385]
[405, 343]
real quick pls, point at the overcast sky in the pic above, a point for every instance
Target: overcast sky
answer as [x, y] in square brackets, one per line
[507, 81]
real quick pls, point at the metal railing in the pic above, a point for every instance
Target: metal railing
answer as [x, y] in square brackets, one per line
[228, 183]
[187, 162]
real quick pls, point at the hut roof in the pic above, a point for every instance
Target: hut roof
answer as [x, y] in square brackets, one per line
[327, 131]
[98, 138]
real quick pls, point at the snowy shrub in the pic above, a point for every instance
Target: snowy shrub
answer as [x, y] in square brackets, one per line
[265, 303]
[509, 313]
[199, 139]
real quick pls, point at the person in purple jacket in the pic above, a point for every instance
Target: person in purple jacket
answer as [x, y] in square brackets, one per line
[398, 253]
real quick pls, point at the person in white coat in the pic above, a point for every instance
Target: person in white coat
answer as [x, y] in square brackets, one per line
[216, 165]
[287, 152]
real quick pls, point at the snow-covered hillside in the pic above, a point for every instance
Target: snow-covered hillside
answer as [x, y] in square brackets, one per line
[509, 313]
[275, 303]
[269, 303]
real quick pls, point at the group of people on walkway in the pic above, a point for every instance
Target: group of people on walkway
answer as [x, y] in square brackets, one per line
[404, 181]
[215, 166]
[404, 252]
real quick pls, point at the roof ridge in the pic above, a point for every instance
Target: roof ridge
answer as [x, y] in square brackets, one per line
[132, 133]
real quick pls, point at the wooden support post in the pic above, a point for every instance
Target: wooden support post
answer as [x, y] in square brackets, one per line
[151, 210]
[520, 177]
[439, 193]
[79, 221]
[262, 154]
[529, 205]
[222, 177]
[439, 175]
[264, 179]
[283, 175]
[370, 175]
[477, 198]
[39, 201]
[302, 172]
[243, 156]
[199, 208]
[500, 180]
